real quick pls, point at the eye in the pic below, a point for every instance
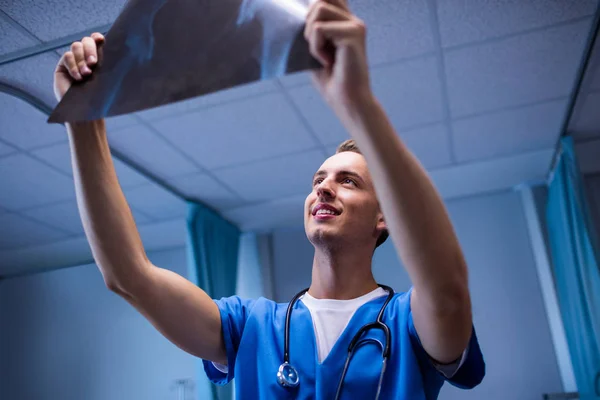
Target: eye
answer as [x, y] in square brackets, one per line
[317, 181]
[348, 180]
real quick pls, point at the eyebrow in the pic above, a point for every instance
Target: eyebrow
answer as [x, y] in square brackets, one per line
[344, 172]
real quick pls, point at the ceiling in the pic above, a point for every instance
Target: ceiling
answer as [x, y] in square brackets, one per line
[478, 91]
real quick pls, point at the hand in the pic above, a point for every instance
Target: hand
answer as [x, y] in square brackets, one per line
[76, 64]
[337, 39]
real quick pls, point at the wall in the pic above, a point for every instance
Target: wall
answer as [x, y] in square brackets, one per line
[507, 304]
[65, 336]
[592, 186]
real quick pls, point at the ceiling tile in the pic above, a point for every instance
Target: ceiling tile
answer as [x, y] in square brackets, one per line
[206, 190]
[16, 231]
[150, 151]
[585, 121]
[515, 71]
[409, 91]
[223, 96]
[156, 202]
[430, 144]
[164, 234]
[59, 156]
[280, 213]
[34, 75]
[12, 39]
[509, 132]
[6, 149]
[31, 183]
[46, 18]
[238, 132]
[274, 178]
[296, 79]
[465, 21]
[395, 29]
[120, 122]
[492, 175]
[65, 216]
[25, 127]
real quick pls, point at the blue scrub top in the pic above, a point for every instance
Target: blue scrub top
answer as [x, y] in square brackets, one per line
[254, 334]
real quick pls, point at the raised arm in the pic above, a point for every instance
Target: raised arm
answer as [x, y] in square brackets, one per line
[181, 311]
[414, 213]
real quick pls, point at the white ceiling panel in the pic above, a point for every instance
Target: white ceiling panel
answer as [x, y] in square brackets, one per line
[395, 29]
[59, 156]
[150, 151]
[296, 79]
[13, 39]
[465, 21]
[6, 149]
[31, 183]
[241, 131]
[430, 144]
[203, 188]
[585, 122]
[274, 178]
[120, 122]
[269, 215]
[65, 216]
[492, 175]
[164, 234]
[409, 91]
[16, 231]
[46, 18]
[156, 202]
[35, 75]
[518, 70]
[224, 96]
[25, 127]
[509, 132]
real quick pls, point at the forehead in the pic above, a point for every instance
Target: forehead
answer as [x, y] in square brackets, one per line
[346, 161]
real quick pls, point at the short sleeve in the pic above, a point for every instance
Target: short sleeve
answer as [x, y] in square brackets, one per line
[472, 366]
[234, 313]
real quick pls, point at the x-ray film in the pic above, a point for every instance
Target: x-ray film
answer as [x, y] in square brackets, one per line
[162, 51]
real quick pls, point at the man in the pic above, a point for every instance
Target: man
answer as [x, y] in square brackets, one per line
[313, 347]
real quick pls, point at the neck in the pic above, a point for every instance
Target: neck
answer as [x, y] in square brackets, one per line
[341, 275]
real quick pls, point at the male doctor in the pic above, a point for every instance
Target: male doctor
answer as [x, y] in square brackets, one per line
[346, 337]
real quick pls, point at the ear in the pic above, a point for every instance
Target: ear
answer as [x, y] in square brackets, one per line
[381, 225]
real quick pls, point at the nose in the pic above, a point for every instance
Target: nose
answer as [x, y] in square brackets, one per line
[324, 189]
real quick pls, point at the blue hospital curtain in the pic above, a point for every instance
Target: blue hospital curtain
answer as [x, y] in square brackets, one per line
[576, 269]
[213, 245]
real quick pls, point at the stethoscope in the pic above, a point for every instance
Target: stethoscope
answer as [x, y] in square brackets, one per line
[287, 375]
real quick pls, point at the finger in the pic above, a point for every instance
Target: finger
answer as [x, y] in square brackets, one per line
[342, 32]
[89, 51]
[78, 52]
[318, 45]
[98, 37]
[68, 62]
[324, 12]
[342, 4]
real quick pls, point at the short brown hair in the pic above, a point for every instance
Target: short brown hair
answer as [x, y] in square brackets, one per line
[350, 145]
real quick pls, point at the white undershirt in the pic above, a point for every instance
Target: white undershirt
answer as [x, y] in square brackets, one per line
[330, 317]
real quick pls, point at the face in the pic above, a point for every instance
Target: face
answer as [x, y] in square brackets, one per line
[342, 208]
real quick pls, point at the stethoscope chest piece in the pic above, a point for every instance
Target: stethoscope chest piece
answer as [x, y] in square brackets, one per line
[287, 376]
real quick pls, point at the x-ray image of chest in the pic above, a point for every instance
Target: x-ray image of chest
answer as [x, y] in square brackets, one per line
[162, 51]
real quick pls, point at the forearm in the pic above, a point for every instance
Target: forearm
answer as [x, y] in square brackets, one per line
[414, 212]
[105, 214]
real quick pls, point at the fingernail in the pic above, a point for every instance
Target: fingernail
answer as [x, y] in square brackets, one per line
[85, 69]
[78, 76]
[91, 59]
